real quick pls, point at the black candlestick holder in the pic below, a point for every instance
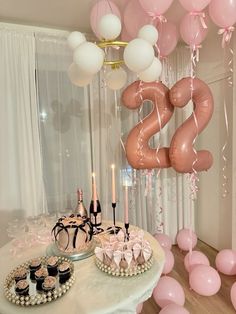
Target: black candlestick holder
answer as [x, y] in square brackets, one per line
[96, 229]
[114, 229]
[126, 232]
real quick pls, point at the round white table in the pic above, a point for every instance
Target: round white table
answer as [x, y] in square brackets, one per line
[93, 292]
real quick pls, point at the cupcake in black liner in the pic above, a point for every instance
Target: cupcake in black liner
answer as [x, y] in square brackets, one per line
[52, 264]
[49, 283]
[40, 275]
[64, 272]
[20, 274]
[34, 265]
[22, 287]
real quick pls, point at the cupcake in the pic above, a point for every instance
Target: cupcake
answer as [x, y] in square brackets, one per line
[22, 287]
[52, 264]
[64, 272]
[20, 274]
[40, 275]
[34, 265]
[49, 283]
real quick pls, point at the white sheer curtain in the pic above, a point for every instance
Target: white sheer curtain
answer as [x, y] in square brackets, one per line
[81, 130]
[20, 157]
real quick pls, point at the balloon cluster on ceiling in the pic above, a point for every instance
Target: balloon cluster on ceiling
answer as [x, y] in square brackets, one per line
[146, 35]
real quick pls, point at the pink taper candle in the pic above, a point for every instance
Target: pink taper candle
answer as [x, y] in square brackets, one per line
[126, 211]
[113, 184]
[94, 194]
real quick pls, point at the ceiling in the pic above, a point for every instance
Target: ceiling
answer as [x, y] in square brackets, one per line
[62, 14]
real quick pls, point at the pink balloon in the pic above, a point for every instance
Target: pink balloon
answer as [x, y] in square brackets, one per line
[135, 17]
[186, 239]
[193, 5]
[164, 240]
[167, 291]
[226, 262]
[125, 35]
[156, 7]
[192, 30]
[233, 295]
[195, 258]
[139, 308]
[174, 309]
[100, 9]
[168, 38]
[169, 262]
[223, 12]
[204, 280]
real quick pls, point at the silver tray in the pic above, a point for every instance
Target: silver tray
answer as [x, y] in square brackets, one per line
[35, 297]
[52, 249]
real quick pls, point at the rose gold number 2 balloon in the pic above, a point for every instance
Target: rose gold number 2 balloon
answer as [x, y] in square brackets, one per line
[181, 155]
[138, 152]
[184, 158]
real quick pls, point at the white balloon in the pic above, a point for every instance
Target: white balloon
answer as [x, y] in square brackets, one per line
[153, 72]
[109, 27]
[75, 39]
[78, 77]
[149, 33]
[89, 58]
[138, 55]
[116, 79]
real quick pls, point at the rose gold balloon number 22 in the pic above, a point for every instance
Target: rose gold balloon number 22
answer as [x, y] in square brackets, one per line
[181, 154]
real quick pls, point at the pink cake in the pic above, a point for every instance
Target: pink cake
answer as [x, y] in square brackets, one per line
[73, 234]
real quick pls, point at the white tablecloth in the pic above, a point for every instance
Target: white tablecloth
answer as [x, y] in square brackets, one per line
[93, 292]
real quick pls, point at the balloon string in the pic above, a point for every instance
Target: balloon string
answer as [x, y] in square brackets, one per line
[157, 18]
[201, 16]
[223, 151]
[140, 137]
[226, 33]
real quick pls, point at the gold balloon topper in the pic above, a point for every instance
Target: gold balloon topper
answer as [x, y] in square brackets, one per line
[110, 43]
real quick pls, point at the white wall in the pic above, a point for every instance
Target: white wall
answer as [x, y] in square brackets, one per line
[214, 212]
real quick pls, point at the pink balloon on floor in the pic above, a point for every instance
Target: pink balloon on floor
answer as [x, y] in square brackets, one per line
[192, 30]
[139, 308]
[233, 295]
[135, 17]
[193, 5]
[186, 239]
[100, 9]
[204, 280]
[174, 309]
[223, 13]
[164, 240]
[169, 262]
[195, 258]
[168, 290]
[226, 262]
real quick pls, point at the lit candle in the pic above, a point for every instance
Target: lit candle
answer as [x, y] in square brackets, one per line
[126, 209]
[94, 193]
[113, 184]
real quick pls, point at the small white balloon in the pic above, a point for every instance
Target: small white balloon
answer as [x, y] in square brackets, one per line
[149, 33]
[89, 58]
[78, 77]
[138, 55]
[152, 73]
[109, 27]
[116, 78]
[75, 39]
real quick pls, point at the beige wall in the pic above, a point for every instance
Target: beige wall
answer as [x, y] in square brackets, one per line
[214, 212]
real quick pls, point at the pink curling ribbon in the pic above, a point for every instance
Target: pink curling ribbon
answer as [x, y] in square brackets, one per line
[195, 54]
[157, 17]
[227, 34]
[201, 16]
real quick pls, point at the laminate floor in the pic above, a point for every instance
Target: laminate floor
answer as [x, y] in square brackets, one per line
[196, 304]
